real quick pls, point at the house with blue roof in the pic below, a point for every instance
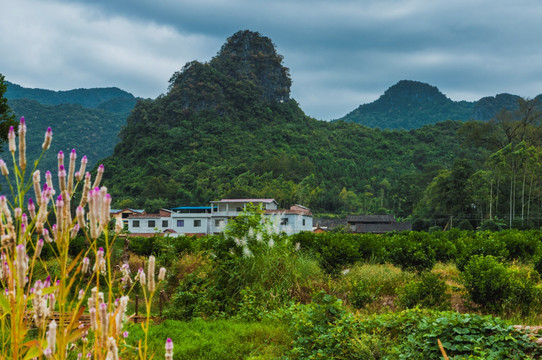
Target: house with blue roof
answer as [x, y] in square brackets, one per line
[205, 220]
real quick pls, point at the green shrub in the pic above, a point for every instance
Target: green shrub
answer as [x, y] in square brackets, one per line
[364, 283]
[144, 246]
[537, 264]
[524, 296]
[521, 245]
[444, 244]
[490, 225]
[430, 291]
[361, 294]
[465, 225]
[486, 281]
[412, 251]
[183, 243]
[321, 330]
[333, 251]
[372, 247]
[479, 243]
[196, 293]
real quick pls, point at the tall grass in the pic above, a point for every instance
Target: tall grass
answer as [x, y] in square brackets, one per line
[55, 304]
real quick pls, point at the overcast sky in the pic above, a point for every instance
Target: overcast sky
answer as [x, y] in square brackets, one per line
[340, 53]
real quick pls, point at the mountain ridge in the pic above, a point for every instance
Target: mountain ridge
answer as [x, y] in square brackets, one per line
[412, 104]
[87, 97]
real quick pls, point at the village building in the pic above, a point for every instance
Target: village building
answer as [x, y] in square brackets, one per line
[375, 224]
[205, 220]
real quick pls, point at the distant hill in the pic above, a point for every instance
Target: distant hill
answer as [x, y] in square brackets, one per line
[92, 132]
[87, 120]
[111, 99]
[412, 104]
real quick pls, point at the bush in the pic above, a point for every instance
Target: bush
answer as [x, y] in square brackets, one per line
[490, 225]
[195, 295]
[486, 281]
[537, 264]
[321, 330]
[144, 246]
[430, 291]
[465, 225]
[333, 251]
[524, 296]
[479, 243]
[412, 252]
[521, 245]
[364, 283]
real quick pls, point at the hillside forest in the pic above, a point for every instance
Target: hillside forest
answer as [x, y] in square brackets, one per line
[228, 128]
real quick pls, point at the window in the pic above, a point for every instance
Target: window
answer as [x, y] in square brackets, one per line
[165, 223]
[303, 222]
[239, 209]
[152, 223]
[197, 223]
[135, 223]
[284, 221]
[180, 223]
[219, 222]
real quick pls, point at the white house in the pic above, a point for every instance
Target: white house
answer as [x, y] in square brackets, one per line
[191, 220]
[296, 219]
[205, 220]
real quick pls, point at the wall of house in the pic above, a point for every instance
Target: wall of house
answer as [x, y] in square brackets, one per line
[144, 225]
[191, 223]
[294, 223]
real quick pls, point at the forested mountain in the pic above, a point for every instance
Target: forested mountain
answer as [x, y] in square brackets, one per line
[227, 128]
[412, 104]
[92, 132]
[88, 120]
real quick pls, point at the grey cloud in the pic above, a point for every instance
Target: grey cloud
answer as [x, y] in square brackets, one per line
[340, 53]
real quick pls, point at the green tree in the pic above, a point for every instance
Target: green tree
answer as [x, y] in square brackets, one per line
[450, 193]
[250, 218]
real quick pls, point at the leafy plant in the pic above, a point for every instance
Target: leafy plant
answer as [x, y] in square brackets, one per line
[321, 329]
[413, 334]
[415, 252]
[487, 282]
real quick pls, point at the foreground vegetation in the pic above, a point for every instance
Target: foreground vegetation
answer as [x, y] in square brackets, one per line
[253, 292]
[345, 296]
